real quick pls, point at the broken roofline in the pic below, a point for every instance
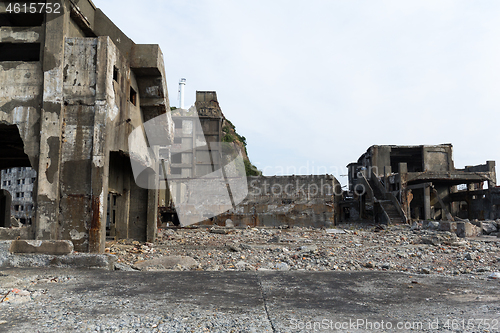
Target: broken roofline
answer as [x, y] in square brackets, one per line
[453, 177]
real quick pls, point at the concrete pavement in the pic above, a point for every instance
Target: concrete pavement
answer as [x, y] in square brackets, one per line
[197, 301]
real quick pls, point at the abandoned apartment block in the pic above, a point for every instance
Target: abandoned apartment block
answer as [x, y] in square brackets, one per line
[195, 152]
[400, 184]
[77, 88]
[17, 193]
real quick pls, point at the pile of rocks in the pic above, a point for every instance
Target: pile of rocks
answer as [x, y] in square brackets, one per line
[420, 248]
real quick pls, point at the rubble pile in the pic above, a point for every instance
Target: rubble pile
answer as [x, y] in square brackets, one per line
[420, 248]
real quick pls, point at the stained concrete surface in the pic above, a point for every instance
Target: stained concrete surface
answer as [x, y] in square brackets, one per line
[195, 301]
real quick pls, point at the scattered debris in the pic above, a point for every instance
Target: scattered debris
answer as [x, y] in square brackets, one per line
[398, 248]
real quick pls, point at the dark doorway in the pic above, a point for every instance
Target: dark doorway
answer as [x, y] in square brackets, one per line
[5, 203]
[18, 181]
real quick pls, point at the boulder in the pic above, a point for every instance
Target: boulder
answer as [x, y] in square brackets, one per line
[467, 229]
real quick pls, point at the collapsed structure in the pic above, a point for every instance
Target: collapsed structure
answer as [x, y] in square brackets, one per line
[273, 201]
[403, 183]
[77, 87]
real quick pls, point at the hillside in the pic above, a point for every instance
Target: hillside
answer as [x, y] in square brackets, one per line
[230, 135]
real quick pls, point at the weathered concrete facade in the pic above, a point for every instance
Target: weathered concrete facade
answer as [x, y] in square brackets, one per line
[75, 93]
[310, 201]
[404, 183]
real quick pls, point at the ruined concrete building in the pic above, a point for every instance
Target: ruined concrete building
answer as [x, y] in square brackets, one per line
[17, 193]
[405, 183]
[73, 87]
[196, 150]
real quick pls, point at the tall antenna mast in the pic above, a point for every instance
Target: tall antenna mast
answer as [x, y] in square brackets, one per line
[182, 84]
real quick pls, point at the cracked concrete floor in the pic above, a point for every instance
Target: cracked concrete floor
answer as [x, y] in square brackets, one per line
[249, 301]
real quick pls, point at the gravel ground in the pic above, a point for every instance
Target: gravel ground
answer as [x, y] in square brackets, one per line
[346, 248]
[92, 301]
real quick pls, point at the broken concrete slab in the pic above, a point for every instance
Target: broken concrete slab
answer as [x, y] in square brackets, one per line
[433, 225]
[75, 260]
[167, 262]
[81, 260]
[218, 231]
[448, 226]
[489, 227]
[85, 260]
[335, 231]
[123, 267]
[60, 247]
[308, 249]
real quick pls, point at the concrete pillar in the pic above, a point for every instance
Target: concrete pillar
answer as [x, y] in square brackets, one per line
[46, 223]
[100, 151]
[403, 168]
[427, 203]
[387, 172]
[153, 196]
[491, 168]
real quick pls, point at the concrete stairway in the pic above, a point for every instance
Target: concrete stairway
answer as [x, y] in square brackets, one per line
[387, 201]
[391, 211]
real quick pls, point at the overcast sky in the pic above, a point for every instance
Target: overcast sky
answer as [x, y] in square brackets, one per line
[312, 84]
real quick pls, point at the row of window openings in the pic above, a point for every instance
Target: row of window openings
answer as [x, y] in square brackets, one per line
[132, 94]
[21, 194]
[15, 169]
[21, 208]
[19, 182]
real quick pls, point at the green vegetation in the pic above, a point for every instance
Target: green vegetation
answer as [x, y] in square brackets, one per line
[228, 137]
[251, 170]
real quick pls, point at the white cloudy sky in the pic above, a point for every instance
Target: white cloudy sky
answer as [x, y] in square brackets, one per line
[312, 84]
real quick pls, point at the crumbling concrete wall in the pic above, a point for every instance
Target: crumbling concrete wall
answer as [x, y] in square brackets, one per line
[438, 158]
[287, 200]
